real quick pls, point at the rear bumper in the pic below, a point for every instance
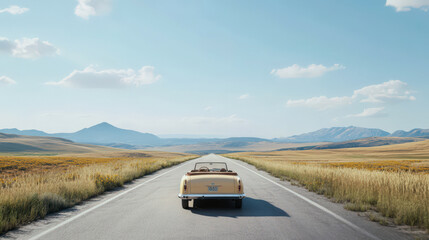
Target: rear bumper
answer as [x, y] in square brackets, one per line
[212, 196]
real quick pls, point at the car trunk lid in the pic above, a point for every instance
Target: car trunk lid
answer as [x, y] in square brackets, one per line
[212, 184]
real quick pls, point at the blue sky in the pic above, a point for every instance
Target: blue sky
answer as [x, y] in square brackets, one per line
[214, 68]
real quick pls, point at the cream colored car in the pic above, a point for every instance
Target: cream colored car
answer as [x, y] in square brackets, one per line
[211, 180]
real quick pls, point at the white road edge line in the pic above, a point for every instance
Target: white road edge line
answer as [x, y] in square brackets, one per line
[101, 204]
[315, 205]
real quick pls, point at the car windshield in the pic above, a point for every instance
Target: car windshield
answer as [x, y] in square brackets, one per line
[211, 166]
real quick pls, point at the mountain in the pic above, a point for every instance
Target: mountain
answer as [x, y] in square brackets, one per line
[101, 134]
[417, 132]
[336, 134]
[12, 143]
[105, 133]
[24, 132]
[364, 142]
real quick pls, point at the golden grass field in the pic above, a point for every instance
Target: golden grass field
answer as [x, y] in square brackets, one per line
[392, 180]
[33, 186]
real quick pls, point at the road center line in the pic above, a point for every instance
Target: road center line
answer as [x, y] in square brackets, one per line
[101, 204]
[350, 224]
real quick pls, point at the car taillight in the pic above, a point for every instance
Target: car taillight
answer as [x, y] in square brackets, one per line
[184, 185]
[239, 185]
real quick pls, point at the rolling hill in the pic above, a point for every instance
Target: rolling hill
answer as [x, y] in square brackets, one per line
[227, 147]
[364, 142]
[11, 143]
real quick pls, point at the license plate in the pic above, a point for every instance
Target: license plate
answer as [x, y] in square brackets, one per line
[212, 188]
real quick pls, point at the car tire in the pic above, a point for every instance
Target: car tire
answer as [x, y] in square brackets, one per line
[238, 203]
[185, 204]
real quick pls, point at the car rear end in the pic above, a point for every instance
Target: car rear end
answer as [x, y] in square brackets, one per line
[211, 186]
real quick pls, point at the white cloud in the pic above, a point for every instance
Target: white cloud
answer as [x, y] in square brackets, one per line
[108, 78]
[296, 71]
[393, 90]
[27, 48]
[87, 8]
[387, 92]
[406, 5]
[320, 103]
[244, 96]
[14, 10]
[370, 112]
[208, 108]
[6, 80]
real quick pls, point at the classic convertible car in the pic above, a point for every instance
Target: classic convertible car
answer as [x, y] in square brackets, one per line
[211, 180]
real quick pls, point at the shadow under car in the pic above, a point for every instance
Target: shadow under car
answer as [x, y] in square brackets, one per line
[226, 208]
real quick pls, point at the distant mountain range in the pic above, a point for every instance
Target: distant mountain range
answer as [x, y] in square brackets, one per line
[336, 134]
[417, 132]
[109, 135]
[363, 142]
[342, 134]
[100, 134]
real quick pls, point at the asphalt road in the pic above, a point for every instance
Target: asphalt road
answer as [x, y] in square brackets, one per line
[150, 209]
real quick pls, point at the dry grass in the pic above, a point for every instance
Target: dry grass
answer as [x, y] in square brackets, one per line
[392, 180]
[32, 187]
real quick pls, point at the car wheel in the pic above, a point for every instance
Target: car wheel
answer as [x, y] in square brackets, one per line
[185, 204]
[238, 203]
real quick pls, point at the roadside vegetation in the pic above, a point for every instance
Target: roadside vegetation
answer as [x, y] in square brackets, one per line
[391, 180]
[33, 186]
